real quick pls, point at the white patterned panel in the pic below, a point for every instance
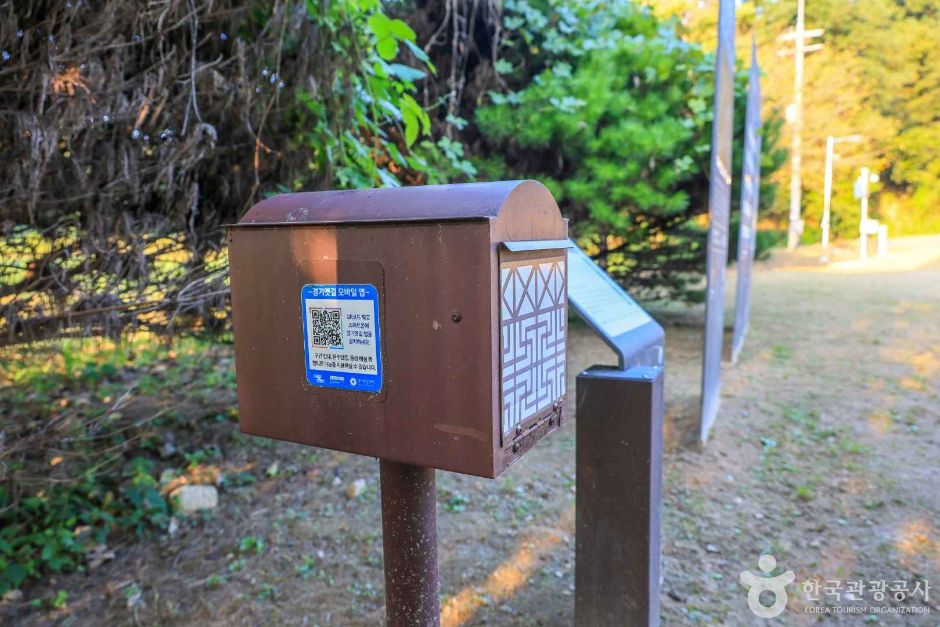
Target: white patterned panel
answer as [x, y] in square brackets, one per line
[534, 321]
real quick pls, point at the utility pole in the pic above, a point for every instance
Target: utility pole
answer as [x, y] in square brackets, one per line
[799, 37]
[831, 141]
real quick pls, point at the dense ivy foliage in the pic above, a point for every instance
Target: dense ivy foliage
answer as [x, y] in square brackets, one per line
[133, 135]
[362, 128]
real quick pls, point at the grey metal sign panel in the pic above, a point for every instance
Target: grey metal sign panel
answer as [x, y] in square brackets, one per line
[750, 195]
[632, 333]
[719, 204]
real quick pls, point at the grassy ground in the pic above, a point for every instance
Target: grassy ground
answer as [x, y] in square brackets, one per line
[826, 452]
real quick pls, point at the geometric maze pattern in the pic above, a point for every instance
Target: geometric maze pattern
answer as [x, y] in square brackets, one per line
[534, 321]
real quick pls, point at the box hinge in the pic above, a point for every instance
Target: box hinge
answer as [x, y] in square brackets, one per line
[550, 421]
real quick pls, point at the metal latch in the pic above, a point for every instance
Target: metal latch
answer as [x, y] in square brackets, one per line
[552, 419]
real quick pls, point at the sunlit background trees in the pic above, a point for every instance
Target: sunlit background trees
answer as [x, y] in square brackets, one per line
[877, 75]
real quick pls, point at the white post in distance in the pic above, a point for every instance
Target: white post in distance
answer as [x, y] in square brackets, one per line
[831, 141]
[866, 227]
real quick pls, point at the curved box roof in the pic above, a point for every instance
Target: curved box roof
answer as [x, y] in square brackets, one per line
[468, 201]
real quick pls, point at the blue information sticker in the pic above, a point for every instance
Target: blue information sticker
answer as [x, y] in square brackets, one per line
[342, 346]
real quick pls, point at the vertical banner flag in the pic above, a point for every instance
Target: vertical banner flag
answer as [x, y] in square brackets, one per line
[750, 194]
[719, 205]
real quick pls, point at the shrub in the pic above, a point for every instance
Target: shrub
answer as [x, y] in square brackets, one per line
[620, 132]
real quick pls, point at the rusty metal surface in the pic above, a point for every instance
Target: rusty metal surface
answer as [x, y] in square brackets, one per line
[619, 496]
[439, 315]
[409, 543]
[402, 204]
[437, 405]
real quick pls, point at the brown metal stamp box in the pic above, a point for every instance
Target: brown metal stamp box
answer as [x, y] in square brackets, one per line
[421, 325]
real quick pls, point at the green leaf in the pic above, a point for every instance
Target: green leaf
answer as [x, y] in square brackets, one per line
[412, 126]
[379, 25]
[502, 66]
[388, 33]
[394, 111]
[15, 574]
[414, 118]
[396, 155]
[388, 179]
[387, 48]
[401, 30]
[406, 73]
[420, 54]
[497, 98]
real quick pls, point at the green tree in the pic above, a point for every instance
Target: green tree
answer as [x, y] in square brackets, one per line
[620, 132]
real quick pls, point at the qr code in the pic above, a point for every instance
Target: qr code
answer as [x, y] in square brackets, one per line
[326, 327]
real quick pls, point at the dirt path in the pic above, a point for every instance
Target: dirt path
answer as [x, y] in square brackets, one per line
[827, 449]
[826, 453]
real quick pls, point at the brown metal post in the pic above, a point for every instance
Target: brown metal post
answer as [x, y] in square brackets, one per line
[409, 541]
[619, 496]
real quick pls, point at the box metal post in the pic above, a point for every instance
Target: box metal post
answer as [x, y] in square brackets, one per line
[619, 496]
[409, 542]
[398, 324]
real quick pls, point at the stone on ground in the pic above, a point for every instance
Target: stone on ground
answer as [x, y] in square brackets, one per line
[193, 498]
